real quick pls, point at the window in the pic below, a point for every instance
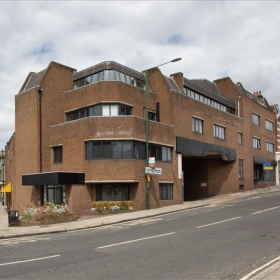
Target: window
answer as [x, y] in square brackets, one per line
[165, 191]
[263, 175]
[219, 131]
[99, 110]
[270, 147]
[125, 150]
[256, 143]
[57, 152]
[112, 192]
[160, 153]
[197, 125]
[241, 169]
[151, 116]
[255, 119]
[269, 125]
[109, 75]
[208, 101]
[240, 138]
[55, 194]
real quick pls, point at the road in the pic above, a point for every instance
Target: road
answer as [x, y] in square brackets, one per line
[225, 241]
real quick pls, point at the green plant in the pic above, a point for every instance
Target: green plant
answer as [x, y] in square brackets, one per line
[105, 207]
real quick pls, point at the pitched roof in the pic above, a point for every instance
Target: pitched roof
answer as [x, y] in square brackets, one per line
[206, 84]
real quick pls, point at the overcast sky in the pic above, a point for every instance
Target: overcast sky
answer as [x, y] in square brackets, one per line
[215, 39]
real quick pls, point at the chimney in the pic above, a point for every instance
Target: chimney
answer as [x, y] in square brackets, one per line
[178, 78]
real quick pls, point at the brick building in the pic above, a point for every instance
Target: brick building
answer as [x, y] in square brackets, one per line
[80, 137]
[278, 150]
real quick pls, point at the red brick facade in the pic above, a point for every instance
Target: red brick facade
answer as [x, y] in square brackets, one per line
[41, 124]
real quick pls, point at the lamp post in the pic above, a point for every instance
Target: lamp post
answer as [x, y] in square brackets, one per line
[147, 127]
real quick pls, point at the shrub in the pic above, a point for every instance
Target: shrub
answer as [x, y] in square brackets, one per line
[106, 207]
[48, 213]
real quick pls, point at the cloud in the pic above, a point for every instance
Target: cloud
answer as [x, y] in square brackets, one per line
[214, 38]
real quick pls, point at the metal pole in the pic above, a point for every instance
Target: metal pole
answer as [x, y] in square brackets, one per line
[147, 142]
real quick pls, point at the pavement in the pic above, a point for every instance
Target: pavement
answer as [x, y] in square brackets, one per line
[271, 271]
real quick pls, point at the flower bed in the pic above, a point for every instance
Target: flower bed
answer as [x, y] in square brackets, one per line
[111, 207]
[50, 213]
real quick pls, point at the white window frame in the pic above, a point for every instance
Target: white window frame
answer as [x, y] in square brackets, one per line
[257, 117]
[269, 145]
[197, 125]
[240, 139]
[219, 131]
[269, 125]
[256, 143]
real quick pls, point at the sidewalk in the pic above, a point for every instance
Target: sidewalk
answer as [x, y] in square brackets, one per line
[10, 232]
[3, 217]
[270, 273]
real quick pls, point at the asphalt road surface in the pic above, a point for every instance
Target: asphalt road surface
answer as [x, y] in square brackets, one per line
[225, 241]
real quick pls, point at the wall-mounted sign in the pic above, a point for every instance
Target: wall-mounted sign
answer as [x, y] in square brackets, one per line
[267, 166]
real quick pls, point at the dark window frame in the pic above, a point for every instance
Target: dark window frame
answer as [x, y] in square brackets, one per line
[57, 154]
[166, 191]
[101, 192]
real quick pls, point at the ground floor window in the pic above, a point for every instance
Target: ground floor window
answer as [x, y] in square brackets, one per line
[112, 192]
[263, 175]
[165, 191]
[55, 194]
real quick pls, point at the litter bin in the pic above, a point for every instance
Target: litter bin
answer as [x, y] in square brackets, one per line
[13, 217]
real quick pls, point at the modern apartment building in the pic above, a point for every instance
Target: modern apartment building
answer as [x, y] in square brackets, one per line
[80, 136]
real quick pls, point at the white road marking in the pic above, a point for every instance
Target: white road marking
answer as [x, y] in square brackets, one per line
[15, 241]
[258, 269]
[219, 222]
[31, 260]
[172, 219]
[265, 210]
[135, 240]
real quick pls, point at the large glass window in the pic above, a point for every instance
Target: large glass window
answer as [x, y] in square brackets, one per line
[125, 150]
[208, 101]
[165, 191]
[219, 131]
[256, 143]
[58, 156]
[112, 192]
[255, 119]
[109, 75]
[269, 125]
[263, 175]
[197, 125]
[99, 110]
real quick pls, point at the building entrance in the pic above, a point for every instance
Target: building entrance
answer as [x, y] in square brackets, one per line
[55, 194]
[205, 176]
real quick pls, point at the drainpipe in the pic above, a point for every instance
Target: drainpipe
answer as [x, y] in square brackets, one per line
[238, 105]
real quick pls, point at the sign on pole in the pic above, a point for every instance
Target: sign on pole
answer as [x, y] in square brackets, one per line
[154, 171]
[152, 162]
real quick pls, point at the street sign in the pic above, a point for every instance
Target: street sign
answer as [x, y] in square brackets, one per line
[267, 166]
[152, 162]
[154, 171]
